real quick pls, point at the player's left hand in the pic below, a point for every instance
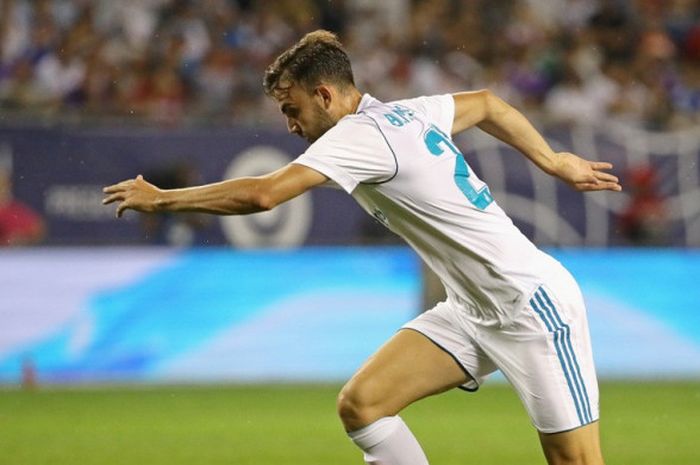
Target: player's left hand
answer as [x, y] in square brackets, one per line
[135, 194]
[584, 175]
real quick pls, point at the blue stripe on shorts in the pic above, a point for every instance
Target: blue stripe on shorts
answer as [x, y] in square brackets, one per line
[548, 313]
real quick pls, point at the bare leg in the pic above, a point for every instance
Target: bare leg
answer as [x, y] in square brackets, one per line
[407, 368]
[577, 447]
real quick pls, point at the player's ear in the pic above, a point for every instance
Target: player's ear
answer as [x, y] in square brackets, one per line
[325, 93]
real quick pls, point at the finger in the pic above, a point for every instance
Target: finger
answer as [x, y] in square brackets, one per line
[112, 198]
[601, 186]
[601, 165]
[121, 208]
[606, 177]
[586, 186]
[117, 187]
[139, 177]
[112, 189]
[587, 178]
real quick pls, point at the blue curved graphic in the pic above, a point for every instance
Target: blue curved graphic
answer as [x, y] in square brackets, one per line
[126, 333]
[307, 315]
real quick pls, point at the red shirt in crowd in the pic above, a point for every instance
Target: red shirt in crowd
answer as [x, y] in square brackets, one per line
[19, 224]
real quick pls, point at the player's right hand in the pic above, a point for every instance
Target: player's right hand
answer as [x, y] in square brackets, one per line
[132, 194]
[584, 175]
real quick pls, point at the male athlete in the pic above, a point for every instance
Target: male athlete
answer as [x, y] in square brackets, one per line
[509, 307]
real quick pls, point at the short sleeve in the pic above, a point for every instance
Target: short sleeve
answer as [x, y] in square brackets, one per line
[350, 153]
[439, 109]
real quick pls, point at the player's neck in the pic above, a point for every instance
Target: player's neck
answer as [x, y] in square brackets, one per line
[354, 97]
[346, 104]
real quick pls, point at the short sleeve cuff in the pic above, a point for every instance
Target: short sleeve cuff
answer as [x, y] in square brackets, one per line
[344, 180]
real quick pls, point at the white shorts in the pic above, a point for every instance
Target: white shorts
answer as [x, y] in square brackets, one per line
[545, 353]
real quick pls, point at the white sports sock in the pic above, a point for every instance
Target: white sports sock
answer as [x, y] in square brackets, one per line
[388, 441]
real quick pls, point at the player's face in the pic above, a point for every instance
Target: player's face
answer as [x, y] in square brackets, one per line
[305, 113]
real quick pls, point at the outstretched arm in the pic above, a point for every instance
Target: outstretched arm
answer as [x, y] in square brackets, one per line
[233, 197]
[494, 116]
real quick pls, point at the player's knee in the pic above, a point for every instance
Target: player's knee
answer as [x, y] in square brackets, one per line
[355, 406]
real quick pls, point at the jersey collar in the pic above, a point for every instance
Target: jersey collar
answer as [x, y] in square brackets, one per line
[366, 101]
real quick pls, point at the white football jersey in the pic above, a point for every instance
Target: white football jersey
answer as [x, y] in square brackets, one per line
[398, 161]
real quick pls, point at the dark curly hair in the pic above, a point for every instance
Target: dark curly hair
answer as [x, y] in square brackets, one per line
[317, 57]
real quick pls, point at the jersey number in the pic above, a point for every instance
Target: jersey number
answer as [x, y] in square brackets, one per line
[481, 198]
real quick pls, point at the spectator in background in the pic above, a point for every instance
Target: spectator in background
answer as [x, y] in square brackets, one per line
[60, 74]
[97, 92]
[216, 82]
[142, 59]
[619, 90]
[19, 224]
[571, 102]
[166, 101]
[644, 220]
[20, 91]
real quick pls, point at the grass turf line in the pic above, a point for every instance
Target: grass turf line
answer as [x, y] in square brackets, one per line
[643, 423]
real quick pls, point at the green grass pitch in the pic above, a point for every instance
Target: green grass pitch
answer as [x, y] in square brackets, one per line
[643, 424]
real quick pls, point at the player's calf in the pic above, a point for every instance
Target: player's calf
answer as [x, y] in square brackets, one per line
[577, 447]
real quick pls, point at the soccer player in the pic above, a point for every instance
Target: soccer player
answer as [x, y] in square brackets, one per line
[509, 307]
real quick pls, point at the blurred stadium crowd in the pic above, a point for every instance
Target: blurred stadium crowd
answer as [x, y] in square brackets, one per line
[191, 62]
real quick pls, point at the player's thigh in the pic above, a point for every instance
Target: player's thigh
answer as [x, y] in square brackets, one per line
[406, 368]
[579, 446]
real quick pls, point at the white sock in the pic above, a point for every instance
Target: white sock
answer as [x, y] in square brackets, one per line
[388, 441]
